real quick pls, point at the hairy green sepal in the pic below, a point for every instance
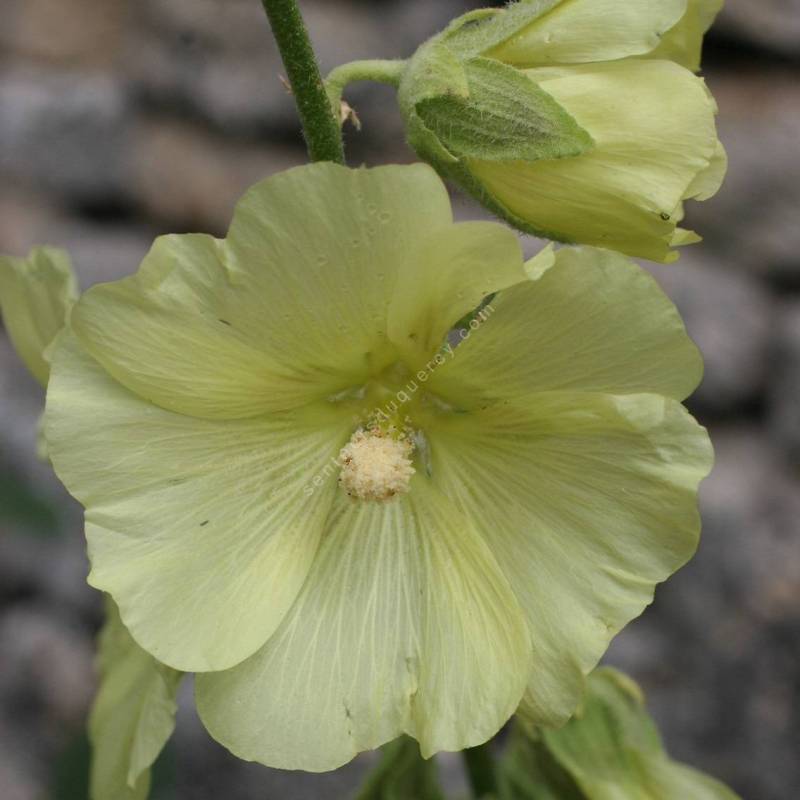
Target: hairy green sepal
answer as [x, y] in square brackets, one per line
[460, 106]
[504, 116]
[479, 108]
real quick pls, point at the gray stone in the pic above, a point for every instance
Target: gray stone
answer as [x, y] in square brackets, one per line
[50, 565]
[239, 94]
[751, 222]
[773, 24]
[21, 405]
[783, 399]
[189, 178]
[408, 24]
[72, 32]
[64, 132]
[728, 314]
[100, 251]
[234, 24]
[46, 671]
[717, 652]
[218, 60]
[17, 782]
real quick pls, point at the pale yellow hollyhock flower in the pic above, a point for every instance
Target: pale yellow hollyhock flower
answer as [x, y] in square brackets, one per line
[683, 43]
[132, 716]
[584, 31]
[133, 713]
[655, 146]
[295, 486]
[641, 126]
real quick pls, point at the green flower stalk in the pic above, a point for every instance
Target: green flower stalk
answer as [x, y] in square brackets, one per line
[578, 121]
[350, 525]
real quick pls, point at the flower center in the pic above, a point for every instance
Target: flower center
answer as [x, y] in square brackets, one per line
[376, 463]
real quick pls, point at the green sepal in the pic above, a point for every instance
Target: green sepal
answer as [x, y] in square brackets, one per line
[402, 774]
[611, 748]
[504, 117]
[433, 71]
[457, 108]
[477, 32]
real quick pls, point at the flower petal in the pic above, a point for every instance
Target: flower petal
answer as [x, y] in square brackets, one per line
[36, 295]
[457, 268]
[290, 308]
[707, 183]
[684, 42]
[132, 716]
[580, 31]
[654, 132]
[405, 624]
[202, 531]
[587, 501]
[594, 321]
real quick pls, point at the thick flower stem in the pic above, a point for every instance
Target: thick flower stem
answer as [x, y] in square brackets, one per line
[320, 127]
[480, 770]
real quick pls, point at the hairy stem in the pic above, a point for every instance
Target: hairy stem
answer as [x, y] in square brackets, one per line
[378, 70]
[320, 127]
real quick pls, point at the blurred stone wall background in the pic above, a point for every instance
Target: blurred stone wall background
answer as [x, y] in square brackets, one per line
[123, 119]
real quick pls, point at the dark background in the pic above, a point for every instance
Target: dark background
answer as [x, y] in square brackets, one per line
[123, 120]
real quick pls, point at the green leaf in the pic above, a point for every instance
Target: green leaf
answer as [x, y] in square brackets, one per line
[402, 775]
[133, 714]
[505, 117]
[610, 750]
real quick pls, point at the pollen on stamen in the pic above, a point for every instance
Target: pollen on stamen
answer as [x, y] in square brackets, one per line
[376, 464]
